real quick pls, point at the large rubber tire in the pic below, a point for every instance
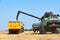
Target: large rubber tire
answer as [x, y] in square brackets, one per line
[21, 30]
[13, 32]
[42, 31]
[10, 32]
[55, 31]
[34, 31]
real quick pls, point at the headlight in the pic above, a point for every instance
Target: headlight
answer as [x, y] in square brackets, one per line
[45, 18]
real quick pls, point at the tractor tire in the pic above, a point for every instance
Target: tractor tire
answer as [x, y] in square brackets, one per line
[13, 32]
[42, 31]
[21, 30]
[10, 32]
[55, 31]
[34, 31]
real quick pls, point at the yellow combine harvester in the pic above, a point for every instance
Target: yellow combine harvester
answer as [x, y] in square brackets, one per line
[17, 26]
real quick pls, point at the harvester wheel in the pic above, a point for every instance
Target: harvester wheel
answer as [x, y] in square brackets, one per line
[56, 31]
[34, 31]
[42, 31]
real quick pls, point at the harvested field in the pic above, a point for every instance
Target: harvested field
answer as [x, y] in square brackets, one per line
[28, 35]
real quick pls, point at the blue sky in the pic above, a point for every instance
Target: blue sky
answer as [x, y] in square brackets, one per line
[9, 8]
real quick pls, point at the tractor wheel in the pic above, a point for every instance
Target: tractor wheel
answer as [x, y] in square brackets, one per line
[55, 31]
[34, 31]
[21, 30]
[11, 31]
[42, 31]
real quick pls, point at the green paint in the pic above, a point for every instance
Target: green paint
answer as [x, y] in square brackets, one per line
[59, 18]
[45, 20]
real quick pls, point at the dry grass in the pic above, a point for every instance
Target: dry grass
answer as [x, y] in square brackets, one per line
[28, 35]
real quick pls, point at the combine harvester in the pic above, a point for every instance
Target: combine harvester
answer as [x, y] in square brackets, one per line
[49, 23]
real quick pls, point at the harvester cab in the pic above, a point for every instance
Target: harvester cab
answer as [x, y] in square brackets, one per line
[50, 23]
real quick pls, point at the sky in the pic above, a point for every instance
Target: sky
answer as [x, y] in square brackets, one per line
[9, 9]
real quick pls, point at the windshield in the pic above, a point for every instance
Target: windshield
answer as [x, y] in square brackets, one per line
[53, 17]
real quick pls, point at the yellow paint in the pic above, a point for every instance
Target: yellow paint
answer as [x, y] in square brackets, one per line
[15, 25]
